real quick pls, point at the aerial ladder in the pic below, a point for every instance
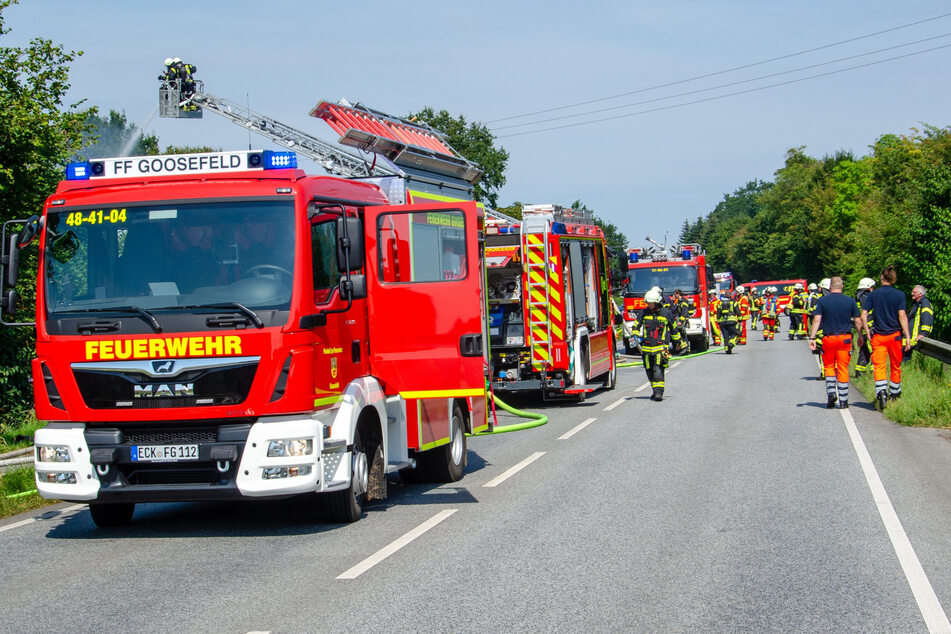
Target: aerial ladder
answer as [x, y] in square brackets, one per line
[391, 146]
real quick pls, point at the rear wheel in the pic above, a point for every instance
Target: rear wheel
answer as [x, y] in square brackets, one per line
[106, 515]
[448, 463]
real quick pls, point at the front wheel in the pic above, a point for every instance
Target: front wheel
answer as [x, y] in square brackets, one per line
[108, 515]
[345, 507]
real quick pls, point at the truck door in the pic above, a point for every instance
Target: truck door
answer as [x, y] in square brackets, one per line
[426, 311]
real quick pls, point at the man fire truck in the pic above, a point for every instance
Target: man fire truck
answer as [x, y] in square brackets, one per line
[685, 268]
[203, 327]
[550, 314]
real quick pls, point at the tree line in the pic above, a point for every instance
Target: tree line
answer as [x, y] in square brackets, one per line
[844, 215]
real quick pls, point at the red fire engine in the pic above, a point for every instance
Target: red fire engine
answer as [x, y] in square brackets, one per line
[204, 326]
[549, 303]
[685, 268]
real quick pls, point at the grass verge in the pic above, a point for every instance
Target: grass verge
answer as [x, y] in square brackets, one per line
[925, 393]
[14, 483]
[17, 428]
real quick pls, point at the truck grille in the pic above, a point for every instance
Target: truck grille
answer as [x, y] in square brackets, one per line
[169, 436]
[228, 385]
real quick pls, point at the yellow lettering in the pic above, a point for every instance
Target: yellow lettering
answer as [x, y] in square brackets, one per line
[124, 349]
[232, 345]
[92, 349]
[140, 349]
[334, 386]
[213, 345]
[196, 346]
[176, 346]
[105, 350]
[156, 348]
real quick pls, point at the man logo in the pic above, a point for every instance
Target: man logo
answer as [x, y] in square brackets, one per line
[163, 367]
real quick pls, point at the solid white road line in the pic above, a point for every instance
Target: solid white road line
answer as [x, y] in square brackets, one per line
[935, 618]
[509, 473]
[581, 426]
[386, 551]
[643, 387]
[44, 516]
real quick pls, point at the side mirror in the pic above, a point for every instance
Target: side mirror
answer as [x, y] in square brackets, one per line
[355, 288]
[9, 302]
[29, 231]
[349, 234]
[11, 262]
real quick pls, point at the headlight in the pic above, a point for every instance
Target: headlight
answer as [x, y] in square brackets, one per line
[55, 477]
[290, 447]
[52, 453]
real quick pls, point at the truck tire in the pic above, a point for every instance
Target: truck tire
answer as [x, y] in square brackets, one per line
[610, 382]
[345, 507]
[448, 462]
[106, 515]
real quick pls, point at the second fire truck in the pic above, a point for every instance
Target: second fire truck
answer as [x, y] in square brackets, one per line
[550, 318]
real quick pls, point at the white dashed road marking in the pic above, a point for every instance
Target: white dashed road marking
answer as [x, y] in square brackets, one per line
[509, 473]
[579, 427]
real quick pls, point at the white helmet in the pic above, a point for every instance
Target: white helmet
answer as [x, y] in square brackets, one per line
[773, 289]
[169, 61]
[813, 287]
[177, 60]
[740, 289]
[652, 296]
[798, 286]
[658, 289]
[866, 282]
[825, 283]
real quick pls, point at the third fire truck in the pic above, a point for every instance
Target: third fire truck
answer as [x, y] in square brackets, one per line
[550, 318]
[683, 267]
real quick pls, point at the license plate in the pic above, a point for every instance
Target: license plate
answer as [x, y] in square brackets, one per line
[164, 453]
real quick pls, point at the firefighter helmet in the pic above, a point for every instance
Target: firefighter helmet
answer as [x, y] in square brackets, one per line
[825, 283]
[740, 289]
[866, 282]
[657, 288]
[652, 296]
[169, 61]
[773, 289]
[798, 286]
[176, 60]
[813, 287]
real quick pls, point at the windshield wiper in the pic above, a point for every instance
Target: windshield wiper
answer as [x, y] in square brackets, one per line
[253, 316]
[138, 310]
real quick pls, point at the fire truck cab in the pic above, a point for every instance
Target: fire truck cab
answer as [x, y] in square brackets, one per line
[550, 319]
[222, 325]
[683, 268]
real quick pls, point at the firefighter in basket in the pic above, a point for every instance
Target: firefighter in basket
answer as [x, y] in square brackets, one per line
[657, 336]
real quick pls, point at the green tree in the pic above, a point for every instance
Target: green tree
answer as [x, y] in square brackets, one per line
[475, 142]
[38, 134]
[190, 149]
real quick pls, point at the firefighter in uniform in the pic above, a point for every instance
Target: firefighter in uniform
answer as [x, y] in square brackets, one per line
[656, 338]
[812, 298]
[862, 343]
[713, 302]
[890, 325]
[835, 314]
[727, 314]
[756, 307]
[743, 305]
[920, 317]
[769, 311]
[817, 292]
[680, 308]
[797, 309]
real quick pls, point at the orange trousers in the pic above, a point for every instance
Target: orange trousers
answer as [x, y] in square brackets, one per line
[887, 347]
[836, 354]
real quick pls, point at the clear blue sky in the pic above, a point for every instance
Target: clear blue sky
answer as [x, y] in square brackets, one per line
[490, 59]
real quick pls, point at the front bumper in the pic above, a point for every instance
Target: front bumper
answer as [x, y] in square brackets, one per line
[232, 459]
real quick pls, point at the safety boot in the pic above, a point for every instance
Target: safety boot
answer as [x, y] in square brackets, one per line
[830, 402]
[844, 405]
[881, 399]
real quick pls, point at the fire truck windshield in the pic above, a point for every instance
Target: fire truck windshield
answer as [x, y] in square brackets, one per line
[169, 255]
[667, 276]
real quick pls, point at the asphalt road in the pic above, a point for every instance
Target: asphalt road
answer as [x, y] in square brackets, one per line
[739, 504]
